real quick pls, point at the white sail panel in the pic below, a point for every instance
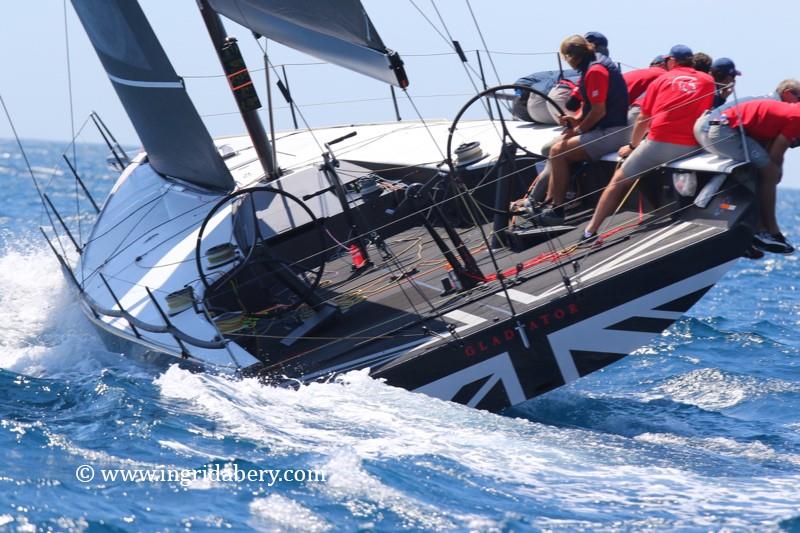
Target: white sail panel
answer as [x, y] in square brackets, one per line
[336, 31]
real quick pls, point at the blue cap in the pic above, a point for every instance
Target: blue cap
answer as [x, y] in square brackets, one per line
[680, 51]
[725, 66]
[596, 38]
[659, 60]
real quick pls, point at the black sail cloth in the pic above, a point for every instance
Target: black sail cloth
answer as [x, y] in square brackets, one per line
[336, 31]
[169, 127]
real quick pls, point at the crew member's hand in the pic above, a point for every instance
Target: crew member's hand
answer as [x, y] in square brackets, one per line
[567, 121]
[625, 151]
[569, 132]
[517, 205]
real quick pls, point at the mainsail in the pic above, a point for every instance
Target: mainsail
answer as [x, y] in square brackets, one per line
[176, 140]
[336, 31]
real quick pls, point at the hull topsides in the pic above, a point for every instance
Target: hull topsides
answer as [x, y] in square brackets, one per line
[560, 313]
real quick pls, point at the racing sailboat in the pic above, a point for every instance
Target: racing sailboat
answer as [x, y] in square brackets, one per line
[380, 246]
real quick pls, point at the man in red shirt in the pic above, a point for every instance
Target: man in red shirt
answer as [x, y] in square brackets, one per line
[771, 127]
[671, 106]
[638, 80]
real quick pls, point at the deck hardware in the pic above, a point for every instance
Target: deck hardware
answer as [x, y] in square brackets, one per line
[180, 300]
[184, 352]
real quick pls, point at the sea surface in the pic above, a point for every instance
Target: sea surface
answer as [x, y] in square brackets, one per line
[699, 431]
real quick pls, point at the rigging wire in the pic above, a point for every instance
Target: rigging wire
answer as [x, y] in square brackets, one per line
[340, 102]
[72, 122]
[424, 123]
[30, 171]
[483, 40]
[566, 252]
[451, 43]
[422, 120]
[458, 195]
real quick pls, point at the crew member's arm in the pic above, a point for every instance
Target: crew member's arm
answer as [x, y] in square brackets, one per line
[580, 124]
[596, 114]
[596, 82]
[642, 125]
[640, 129]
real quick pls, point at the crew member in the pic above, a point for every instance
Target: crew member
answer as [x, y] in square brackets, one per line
[770, 128]
[599, 41]
[672, 104]
[637, 82]
[659, 61]
[702, 62]
[788, 91]
[599, 128]
[724, 72]
[571, 104]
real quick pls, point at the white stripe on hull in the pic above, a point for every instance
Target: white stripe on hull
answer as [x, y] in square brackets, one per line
[591, 335]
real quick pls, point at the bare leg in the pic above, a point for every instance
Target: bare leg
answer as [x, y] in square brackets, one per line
[767, 194]
[562, 155]
[538, 190]
[610, 198]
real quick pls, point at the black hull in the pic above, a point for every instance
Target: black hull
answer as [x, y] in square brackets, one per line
[571, 337]
[508, 359]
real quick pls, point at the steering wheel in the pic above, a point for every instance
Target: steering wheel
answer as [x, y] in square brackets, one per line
[318, 224]
[491, 92]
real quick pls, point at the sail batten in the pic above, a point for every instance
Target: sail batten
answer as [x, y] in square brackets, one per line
[153, 95]
[336, 31]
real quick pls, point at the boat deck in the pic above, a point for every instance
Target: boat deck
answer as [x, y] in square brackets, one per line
[399, 302]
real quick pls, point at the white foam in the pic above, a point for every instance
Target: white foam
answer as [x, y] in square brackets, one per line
[715, 390]
[351, 484]
[754, 451]
[188, 451]
[279, 513]
[356, 424]
[44, 332]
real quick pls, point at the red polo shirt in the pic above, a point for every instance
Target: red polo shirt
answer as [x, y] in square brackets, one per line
[764, 120]
[674, 101]
[638, 81]
[595, 79]
[596, 82]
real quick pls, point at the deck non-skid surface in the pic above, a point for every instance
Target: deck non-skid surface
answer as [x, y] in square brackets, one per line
[384, 304]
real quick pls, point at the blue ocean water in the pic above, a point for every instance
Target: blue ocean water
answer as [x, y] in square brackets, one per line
[698, 431]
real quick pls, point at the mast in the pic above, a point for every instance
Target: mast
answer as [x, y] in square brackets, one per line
[242, 86]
